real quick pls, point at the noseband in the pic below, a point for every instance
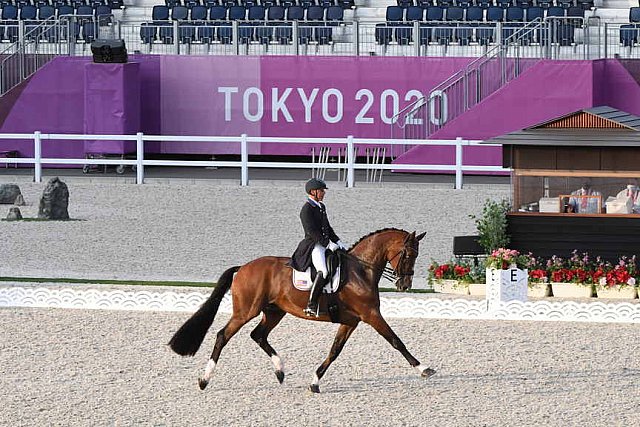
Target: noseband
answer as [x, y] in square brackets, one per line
[393, 275]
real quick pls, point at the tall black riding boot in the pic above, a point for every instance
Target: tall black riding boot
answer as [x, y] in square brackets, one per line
[314, 295]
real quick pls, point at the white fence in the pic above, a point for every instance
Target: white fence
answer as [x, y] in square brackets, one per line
[349, 164]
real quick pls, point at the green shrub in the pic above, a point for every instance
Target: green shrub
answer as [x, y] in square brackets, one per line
[492, 225]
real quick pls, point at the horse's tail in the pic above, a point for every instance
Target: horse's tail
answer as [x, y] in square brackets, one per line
[187, 340]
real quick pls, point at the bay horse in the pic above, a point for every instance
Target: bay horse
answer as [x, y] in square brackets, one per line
[265, 285]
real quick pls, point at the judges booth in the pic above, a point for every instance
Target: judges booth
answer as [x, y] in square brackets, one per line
[575, 185]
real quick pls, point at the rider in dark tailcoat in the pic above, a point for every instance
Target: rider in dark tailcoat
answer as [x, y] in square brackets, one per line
[318, 236]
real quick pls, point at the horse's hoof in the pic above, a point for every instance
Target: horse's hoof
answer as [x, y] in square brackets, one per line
[202, 383]
[428, 372]
[314, 388]
[280, 376]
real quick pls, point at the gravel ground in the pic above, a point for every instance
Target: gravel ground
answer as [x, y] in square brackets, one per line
[88, 368]
[196, 231]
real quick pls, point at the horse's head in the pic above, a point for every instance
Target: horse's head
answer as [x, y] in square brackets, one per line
[402, 258]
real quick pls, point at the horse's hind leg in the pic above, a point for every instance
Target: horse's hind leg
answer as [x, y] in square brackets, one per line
[344, 332]
[271, 317]
[223, 337]
[378, 323]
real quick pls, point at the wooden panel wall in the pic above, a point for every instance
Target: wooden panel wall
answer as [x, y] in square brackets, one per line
[547, 235]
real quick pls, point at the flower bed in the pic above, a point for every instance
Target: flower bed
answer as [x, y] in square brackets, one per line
[560, 277]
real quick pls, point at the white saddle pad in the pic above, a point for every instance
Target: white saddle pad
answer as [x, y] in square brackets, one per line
[302, 281]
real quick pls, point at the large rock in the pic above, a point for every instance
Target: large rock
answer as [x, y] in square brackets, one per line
[9, 193]
[55, 200]
[14, 214]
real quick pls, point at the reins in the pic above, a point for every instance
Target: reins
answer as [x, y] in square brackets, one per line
[388, 272]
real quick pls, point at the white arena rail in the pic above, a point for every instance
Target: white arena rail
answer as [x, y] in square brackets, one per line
[406, 306]
[244, 164]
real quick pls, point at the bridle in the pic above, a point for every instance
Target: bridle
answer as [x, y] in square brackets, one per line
[399, 272]
[389, 272]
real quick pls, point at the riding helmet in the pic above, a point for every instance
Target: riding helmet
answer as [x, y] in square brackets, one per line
[314, 184]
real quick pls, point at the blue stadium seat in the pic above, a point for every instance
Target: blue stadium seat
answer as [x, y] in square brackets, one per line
[405, 3]
[295, 13]
[575, 12]
[424, 3]
[495, 14]
[435, 13]
[315, 13]
[628, 35]
[384, 32]
[475, 14]
[485, 4]
[46, 12]
[199, 13]
[465, 4]
[247, 30]
[535, 12]
[414, 13]
[515, 14]
[187, 33]
[504, 3]
[454, 13]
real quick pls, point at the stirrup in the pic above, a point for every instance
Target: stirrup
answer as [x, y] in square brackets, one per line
[311, 312]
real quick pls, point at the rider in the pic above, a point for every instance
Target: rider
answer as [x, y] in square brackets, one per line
[318, 236]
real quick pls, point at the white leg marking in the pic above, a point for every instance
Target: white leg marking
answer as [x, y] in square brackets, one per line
[277, 362]
[208, 371]
[420, 368]
[316, 380]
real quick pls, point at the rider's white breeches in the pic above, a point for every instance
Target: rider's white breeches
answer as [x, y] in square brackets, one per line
[318, 259]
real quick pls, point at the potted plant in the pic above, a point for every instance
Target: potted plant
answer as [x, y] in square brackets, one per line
[451, 277]
[539, 285]
[575, 277]
[619, 281]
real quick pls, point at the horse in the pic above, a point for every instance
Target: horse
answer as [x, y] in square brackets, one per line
[265, 285]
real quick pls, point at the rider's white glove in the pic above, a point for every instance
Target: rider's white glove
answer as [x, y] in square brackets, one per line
[332, 246]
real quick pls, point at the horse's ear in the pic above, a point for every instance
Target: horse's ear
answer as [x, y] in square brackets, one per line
[420, 236]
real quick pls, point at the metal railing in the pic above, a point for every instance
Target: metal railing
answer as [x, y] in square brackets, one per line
[241, 37]
[518, 49]
[590, 38]
[349, 163]
[469, 86]
[33, 44]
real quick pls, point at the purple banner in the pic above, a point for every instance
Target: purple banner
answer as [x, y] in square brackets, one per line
[298, 97]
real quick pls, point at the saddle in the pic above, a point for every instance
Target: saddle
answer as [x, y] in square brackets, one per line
[303, 280]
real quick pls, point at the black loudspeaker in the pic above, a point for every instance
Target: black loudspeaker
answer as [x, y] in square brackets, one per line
[109, 51]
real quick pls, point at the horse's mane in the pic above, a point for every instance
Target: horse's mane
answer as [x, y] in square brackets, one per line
[382, 230]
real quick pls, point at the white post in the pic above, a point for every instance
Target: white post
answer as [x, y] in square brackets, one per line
[244, 158]
[458, 163]
[37, 154]
[139, 158]
[350, 162]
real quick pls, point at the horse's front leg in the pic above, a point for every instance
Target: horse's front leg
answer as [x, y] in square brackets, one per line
[378, 323]
[272, 315]
[344, 332]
